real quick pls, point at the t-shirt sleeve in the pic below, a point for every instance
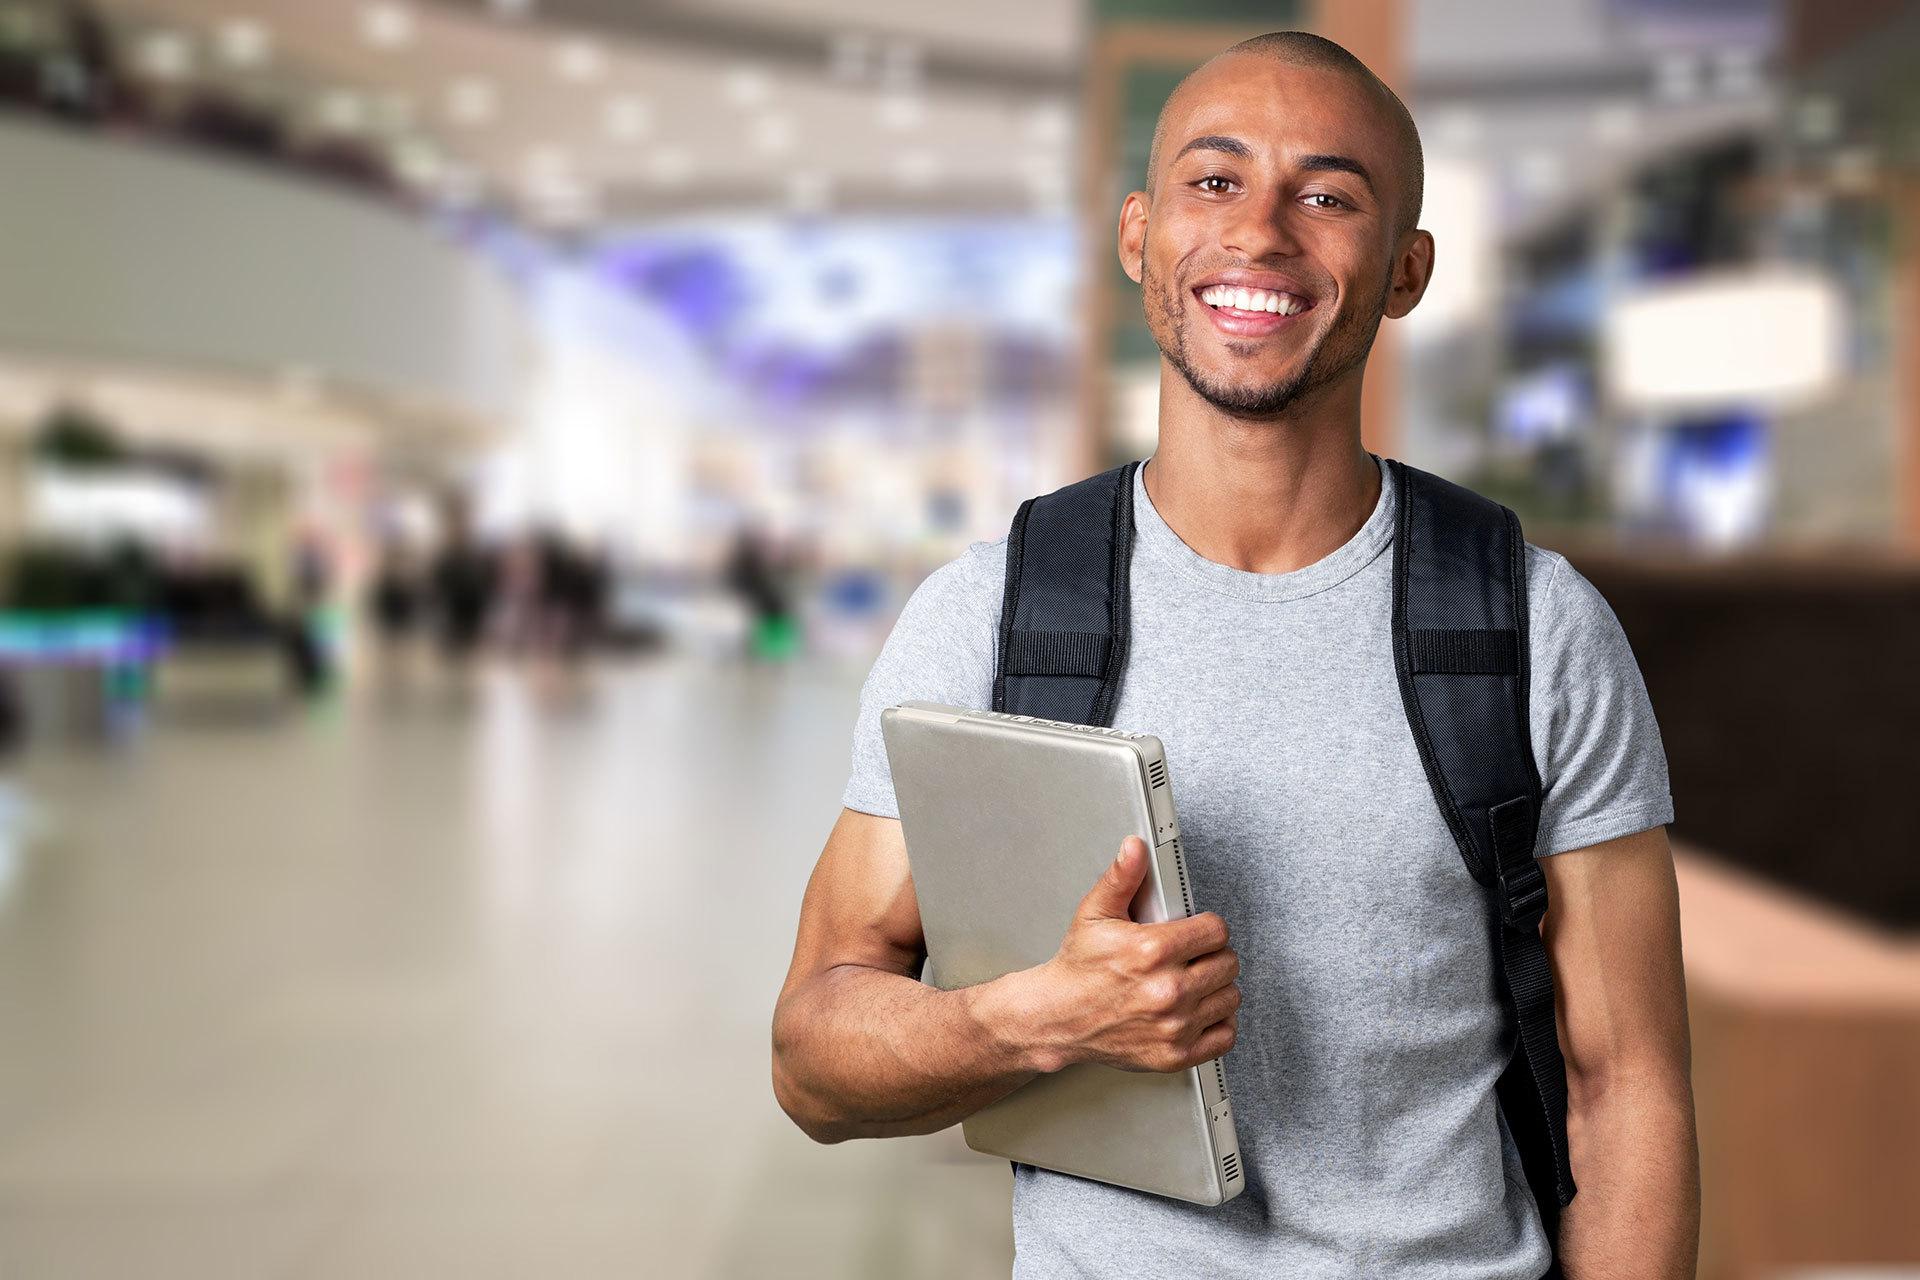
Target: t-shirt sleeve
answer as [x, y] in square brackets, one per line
[941, 649]
[1603, 769]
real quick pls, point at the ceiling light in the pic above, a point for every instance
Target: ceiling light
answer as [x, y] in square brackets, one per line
[747, 86]
[902, 111]
[386, 25]
[342, 111]
[773, 133]
[166, 55]
[627, 117]
[417, 163]
[472, 100]
[580, 60]
[243, 42]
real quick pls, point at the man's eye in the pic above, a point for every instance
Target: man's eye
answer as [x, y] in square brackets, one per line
[1338, 203]
[1225, 183]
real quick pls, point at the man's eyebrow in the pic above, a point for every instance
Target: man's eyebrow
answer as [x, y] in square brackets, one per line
[1317, 162]
[1334, 164]
[1217, 142]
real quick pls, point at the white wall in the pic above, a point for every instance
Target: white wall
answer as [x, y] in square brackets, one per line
[122, 250]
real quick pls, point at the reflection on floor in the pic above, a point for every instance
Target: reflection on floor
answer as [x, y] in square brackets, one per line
[410, 987]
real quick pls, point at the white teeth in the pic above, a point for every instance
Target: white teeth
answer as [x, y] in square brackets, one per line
[1269, 300]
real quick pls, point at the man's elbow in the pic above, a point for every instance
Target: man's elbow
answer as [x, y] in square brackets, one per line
[795, 1100]
[1595, 1083]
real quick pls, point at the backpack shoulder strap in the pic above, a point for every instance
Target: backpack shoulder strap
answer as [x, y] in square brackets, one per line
[1460, 648]
[1063, 621]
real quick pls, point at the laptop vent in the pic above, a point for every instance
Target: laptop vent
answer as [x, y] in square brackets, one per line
[1157, 773]
[1221, 1073]
[1180, 868]
[1230, 1165]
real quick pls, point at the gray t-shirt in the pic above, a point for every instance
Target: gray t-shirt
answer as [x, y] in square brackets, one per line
[1370, 1032]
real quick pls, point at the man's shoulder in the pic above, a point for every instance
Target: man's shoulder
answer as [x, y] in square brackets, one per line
[975, 577]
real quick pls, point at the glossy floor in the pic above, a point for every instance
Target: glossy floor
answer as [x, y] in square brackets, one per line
[426, 985]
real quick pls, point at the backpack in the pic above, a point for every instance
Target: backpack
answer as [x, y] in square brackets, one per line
[1460, 651]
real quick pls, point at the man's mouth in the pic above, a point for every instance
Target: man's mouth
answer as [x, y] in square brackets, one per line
[1223, 297]
[1243, 312]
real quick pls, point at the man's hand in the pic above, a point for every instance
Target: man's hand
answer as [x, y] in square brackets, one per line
[1142, 997]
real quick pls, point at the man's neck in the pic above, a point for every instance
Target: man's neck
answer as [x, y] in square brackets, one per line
[1266, 496]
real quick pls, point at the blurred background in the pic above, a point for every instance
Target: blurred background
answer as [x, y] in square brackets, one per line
[458, 458]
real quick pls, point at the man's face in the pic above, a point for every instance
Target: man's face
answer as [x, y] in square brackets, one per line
[1266, 260]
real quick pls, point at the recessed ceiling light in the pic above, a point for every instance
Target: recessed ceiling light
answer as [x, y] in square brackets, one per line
[627, 116]
[747, 86]
[342, 111]
[166, 55]
[243, 42]
[903, 111]
[387, 25]
[472, 100]
[773, 132]
[417, 163]
[580, 59]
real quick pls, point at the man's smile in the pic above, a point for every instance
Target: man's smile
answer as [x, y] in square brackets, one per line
[1252, 304]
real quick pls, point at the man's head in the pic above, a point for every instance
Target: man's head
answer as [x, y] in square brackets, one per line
[1278, 222]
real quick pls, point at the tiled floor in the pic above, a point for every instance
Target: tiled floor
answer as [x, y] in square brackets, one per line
[410, 986]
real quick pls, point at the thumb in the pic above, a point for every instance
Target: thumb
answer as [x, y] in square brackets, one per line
[1113, 892]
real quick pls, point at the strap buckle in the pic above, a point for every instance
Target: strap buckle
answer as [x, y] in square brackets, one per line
[1522, 894]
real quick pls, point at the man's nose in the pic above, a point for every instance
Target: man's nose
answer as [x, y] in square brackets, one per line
[1261, 228]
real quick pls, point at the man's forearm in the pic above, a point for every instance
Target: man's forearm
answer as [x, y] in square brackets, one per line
[1635, 1159]
[862, 1053]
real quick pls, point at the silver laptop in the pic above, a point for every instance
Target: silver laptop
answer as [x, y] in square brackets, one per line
[1009, 820]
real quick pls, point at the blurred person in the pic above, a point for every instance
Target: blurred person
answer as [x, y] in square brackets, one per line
[462, 583]
[755, 573]
[397, 604]
[1276, 228]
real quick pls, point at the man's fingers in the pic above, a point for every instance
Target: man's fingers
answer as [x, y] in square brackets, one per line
[1215, 1040]
[1212, 971]
[1217, 1006]
[1193, 935]
[1112, 894]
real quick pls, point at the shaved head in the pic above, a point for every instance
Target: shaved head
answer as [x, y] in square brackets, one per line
[1304, 49]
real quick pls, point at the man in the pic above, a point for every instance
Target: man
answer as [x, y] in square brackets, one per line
[1359, 997]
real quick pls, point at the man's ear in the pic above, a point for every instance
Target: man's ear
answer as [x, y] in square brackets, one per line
[1412, 269]
[1133, 233]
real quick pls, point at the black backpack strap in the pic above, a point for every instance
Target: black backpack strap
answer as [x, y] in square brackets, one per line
[1063, 622]
[1460, 647]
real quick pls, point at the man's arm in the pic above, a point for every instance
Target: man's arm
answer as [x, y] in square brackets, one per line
[863, 1049]
[1613, 933]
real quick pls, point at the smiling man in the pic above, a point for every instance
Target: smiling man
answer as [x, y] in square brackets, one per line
[1360, 1001]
